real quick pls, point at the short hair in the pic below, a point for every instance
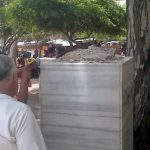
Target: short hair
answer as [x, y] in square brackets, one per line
[6, 67]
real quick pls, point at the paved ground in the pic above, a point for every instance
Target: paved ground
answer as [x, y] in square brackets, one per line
[33, 100]
[35, 83]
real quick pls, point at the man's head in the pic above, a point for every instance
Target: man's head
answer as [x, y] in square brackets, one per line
[8, 78]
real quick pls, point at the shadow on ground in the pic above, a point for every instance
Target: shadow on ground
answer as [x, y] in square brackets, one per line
[142, 134]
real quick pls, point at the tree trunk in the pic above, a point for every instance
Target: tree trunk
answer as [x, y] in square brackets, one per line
[138, 12]
[71, 42]
[14, 51]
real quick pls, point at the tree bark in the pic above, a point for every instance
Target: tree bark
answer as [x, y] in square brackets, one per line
[14, 51]
[139, 46]
[138, 35]
[70, 36]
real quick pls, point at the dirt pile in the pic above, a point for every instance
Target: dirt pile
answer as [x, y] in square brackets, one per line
[91, 55]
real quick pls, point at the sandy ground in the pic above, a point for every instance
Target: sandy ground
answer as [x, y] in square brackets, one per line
[33, 100]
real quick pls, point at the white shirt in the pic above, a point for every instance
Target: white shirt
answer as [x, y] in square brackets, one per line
[18, 127]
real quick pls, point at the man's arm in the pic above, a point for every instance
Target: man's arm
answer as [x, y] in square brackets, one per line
[22, 94]
[24, 74]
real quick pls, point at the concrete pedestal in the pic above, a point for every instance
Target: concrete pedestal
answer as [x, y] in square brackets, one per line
[87, 106]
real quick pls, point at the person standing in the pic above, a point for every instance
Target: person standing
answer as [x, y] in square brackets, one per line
[19, 129]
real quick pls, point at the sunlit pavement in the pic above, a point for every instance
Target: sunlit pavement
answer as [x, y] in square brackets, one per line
[34, 86]
[33, 100]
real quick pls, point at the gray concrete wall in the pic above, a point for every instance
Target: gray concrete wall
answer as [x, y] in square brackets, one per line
[127, 104]
[87, 106]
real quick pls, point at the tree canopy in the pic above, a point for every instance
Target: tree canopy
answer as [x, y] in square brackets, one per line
[7, 34]
[67, 16]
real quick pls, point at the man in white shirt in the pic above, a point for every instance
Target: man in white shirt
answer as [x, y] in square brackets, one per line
[18, 127]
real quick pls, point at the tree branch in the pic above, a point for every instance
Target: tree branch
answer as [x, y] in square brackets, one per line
[84, 37]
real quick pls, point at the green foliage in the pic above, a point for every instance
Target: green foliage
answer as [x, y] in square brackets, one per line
[5, 29]
[6, 33]
[36, 36]
[20, 17]
[67, 16]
